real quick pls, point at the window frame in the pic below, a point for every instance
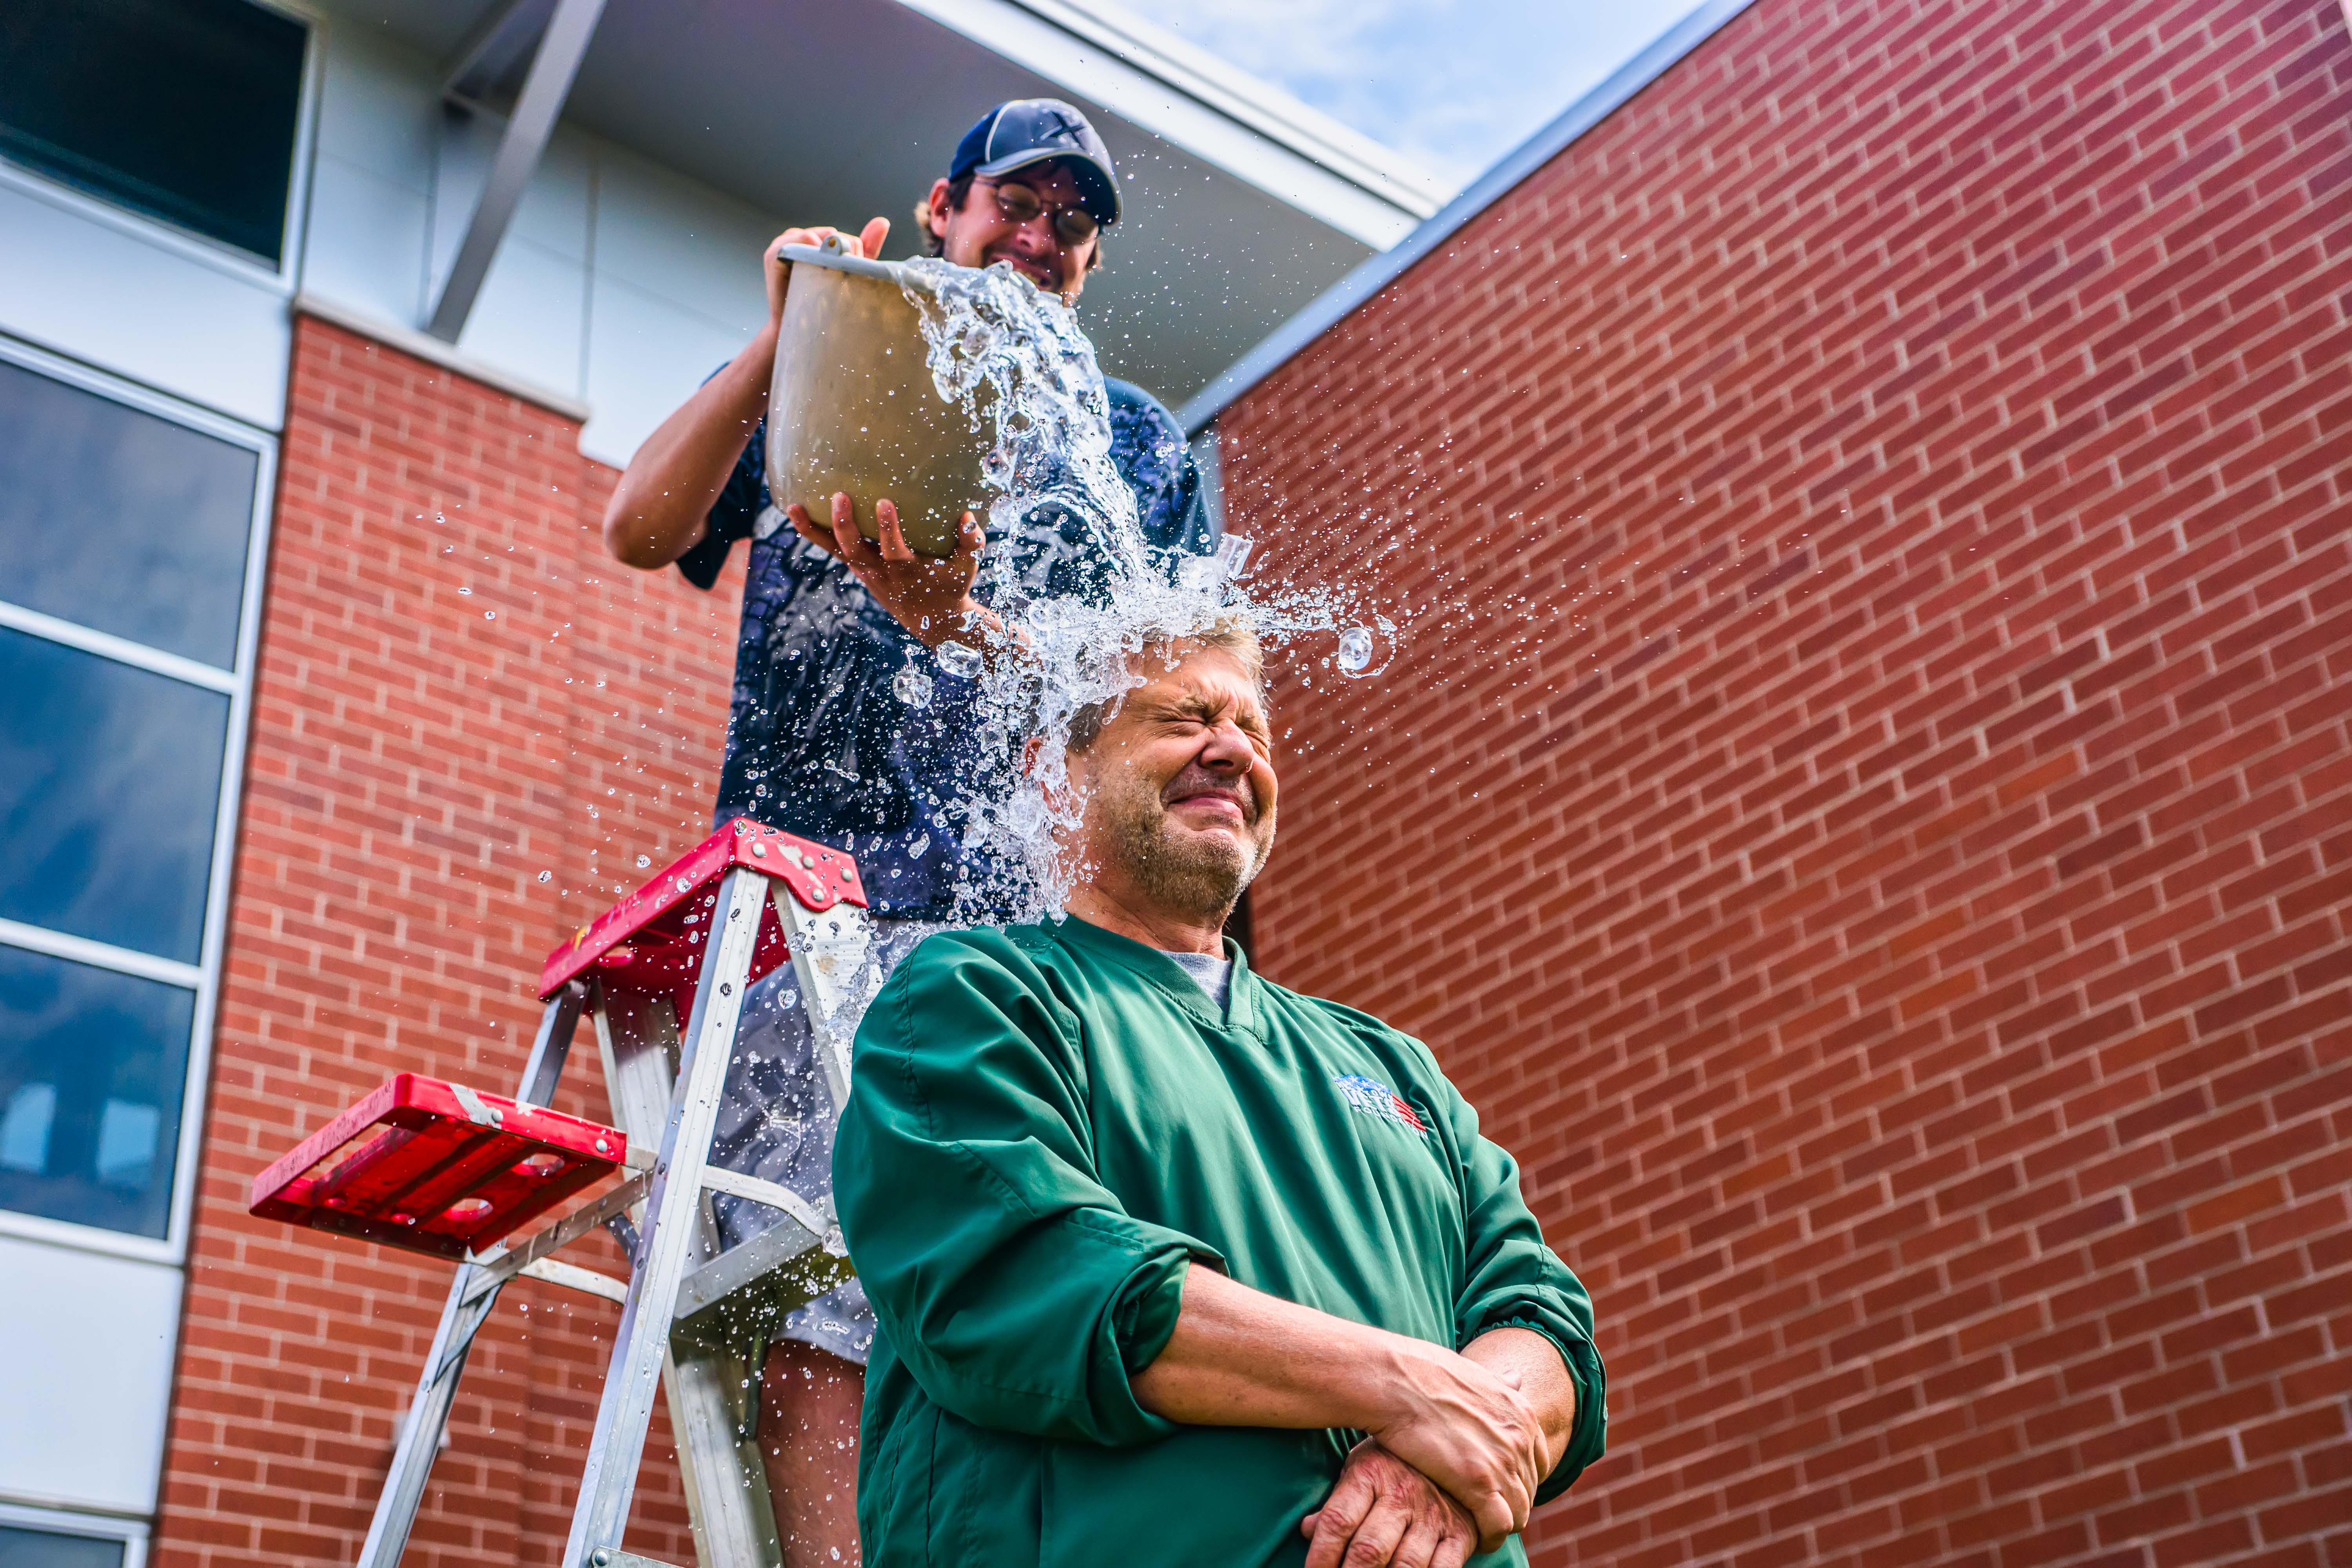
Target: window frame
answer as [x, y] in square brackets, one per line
[132, 1532]
[204, 976]
[285, 278]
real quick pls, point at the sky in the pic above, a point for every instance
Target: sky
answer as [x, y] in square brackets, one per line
[1452, 84]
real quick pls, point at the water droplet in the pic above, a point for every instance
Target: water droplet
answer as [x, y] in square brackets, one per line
[1232, 555]
[911, 685]
[490, 615]
[644, 861]
[1355, 656]
[963, 663]
[547, 876]
[920, 847]
[684, 884]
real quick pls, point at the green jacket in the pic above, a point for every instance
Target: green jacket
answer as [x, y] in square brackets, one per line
[1045, 1124]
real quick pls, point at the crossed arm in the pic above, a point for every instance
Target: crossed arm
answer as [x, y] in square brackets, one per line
[1458, 1442]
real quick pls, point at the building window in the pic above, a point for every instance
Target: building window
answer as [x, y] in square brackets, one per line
[24, 1547]
[183, 109]
[130, 537]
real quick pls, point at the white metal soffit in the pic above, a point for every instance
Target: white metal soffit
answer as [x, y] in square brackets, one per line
[1377, 272]
[1188, 97]
[1154, 80]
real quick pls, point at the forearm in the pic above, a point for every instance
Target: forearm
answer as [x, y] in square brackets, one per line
[658, 509]
[1532, 1364]
[1242, 1358]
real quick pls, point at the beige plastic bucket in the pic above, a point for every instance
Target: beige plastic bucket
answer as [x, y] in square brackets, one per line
[853, 409]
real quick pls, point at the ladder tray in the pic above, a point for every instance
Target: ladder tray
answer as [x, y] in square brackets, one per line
[434, 1167]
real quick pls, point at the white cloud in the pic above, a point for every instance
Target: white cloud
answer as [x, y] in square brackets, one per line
[1452, 84]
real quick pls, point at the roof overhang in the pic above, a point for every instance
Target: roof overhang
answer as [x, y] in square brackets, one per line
[1242, 205]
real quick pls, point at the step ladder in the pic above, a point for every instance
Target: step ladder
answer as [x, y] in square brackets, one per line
[456, 1172]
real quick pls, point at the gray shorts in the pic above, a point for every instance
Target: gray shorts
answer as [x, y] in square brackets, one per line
[776, 1121]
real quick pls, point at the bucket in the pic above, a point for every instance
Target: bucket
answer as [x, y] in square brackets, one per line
[852, 407]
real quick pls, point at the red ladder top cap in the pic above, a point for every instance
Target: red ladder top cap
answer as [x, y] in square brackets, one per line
[819, 879]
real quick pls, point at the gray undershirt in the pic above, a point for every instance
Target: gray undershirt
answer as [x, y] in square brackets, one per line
[1215, 973]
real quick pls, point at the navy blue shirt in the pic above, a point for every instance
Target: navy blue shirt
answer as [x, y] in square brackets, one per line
[817, 742]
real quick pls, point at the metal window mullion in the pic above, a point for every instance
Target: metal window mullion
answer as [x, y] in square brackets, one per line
[100, 955]
[119, 650]
[194, 1096]
[198, 416]
[203, 977]
[79, 1521]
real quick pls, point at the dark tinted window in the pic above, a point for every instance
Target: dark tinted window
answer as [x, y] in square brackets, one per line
[91, 1068]
[120, 520]
[180, 108]
[43, 1548]
[109, 780]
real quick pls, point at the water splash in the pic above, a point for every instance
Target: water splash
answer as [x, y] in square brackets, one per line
[1366, 650]
[911, 686]
[1013, 357]
[1080, 591]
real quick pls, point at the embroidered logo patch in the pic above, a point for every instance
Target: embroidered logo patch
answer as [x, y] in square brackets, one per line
[1371, 1097]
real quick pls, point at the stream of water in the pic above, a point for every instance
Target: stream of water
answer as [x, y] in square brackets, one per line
[1080, 590]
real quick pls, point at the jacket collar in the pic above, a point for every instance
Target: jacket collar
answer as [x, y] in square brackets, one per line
[1150, 963]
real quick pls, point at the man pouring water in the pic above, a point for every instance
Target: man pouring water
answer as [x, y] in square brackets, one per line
[819, 743]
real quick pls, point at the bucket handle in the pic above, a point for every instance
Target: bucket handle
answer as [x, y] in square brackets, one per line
[836, 255]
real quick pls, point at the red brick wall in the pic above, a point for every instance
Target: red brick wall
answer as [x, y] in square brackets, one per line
[457, 691]
[1869, 813]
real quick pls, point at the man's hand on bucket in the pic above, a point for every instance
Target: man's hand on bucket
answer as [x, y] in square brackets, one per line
[1383, 1513]
[869, 244]
[930, 595]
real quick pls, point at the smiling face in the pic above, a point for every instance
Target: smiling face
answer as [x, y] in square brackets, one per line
[978, 234]
[1180, 789]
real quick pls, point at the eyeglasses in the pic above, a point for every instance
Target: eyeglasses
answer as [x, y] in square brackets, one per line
[1020, 204]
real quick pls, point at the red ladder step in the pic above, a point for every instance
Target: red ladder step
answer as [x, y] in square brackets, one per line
[434, 1167]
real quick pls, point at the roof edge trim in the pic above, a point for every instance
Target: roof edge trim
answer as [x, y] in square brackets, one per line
[1268, 110]
[1377, 272]
[433, 351]
[1113, 71]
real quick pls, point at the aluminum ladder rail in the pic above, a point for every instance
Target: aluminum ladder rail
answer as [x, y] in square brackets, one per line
[692, 1316]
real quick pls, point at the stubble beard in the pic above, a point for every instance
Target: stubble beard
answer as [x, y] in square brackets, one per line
[1197, 875]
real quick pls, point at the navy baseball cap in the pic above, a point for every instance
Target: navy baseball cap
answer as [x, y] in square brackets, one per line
[1036, 131]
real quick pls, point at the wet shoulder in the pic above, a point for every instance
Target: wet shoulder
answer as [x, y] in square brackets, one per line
[995, 959]
[1148, 446]
[982, 977]
[1133, 408]
[979, 946]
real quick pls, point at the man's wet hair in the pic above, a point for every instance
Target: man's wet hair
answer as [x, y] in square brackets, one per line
[1231, 634]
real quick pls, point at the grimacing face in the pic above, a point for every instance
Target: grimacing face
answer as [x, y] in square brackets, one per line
[979, 234]
[1179, 786]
